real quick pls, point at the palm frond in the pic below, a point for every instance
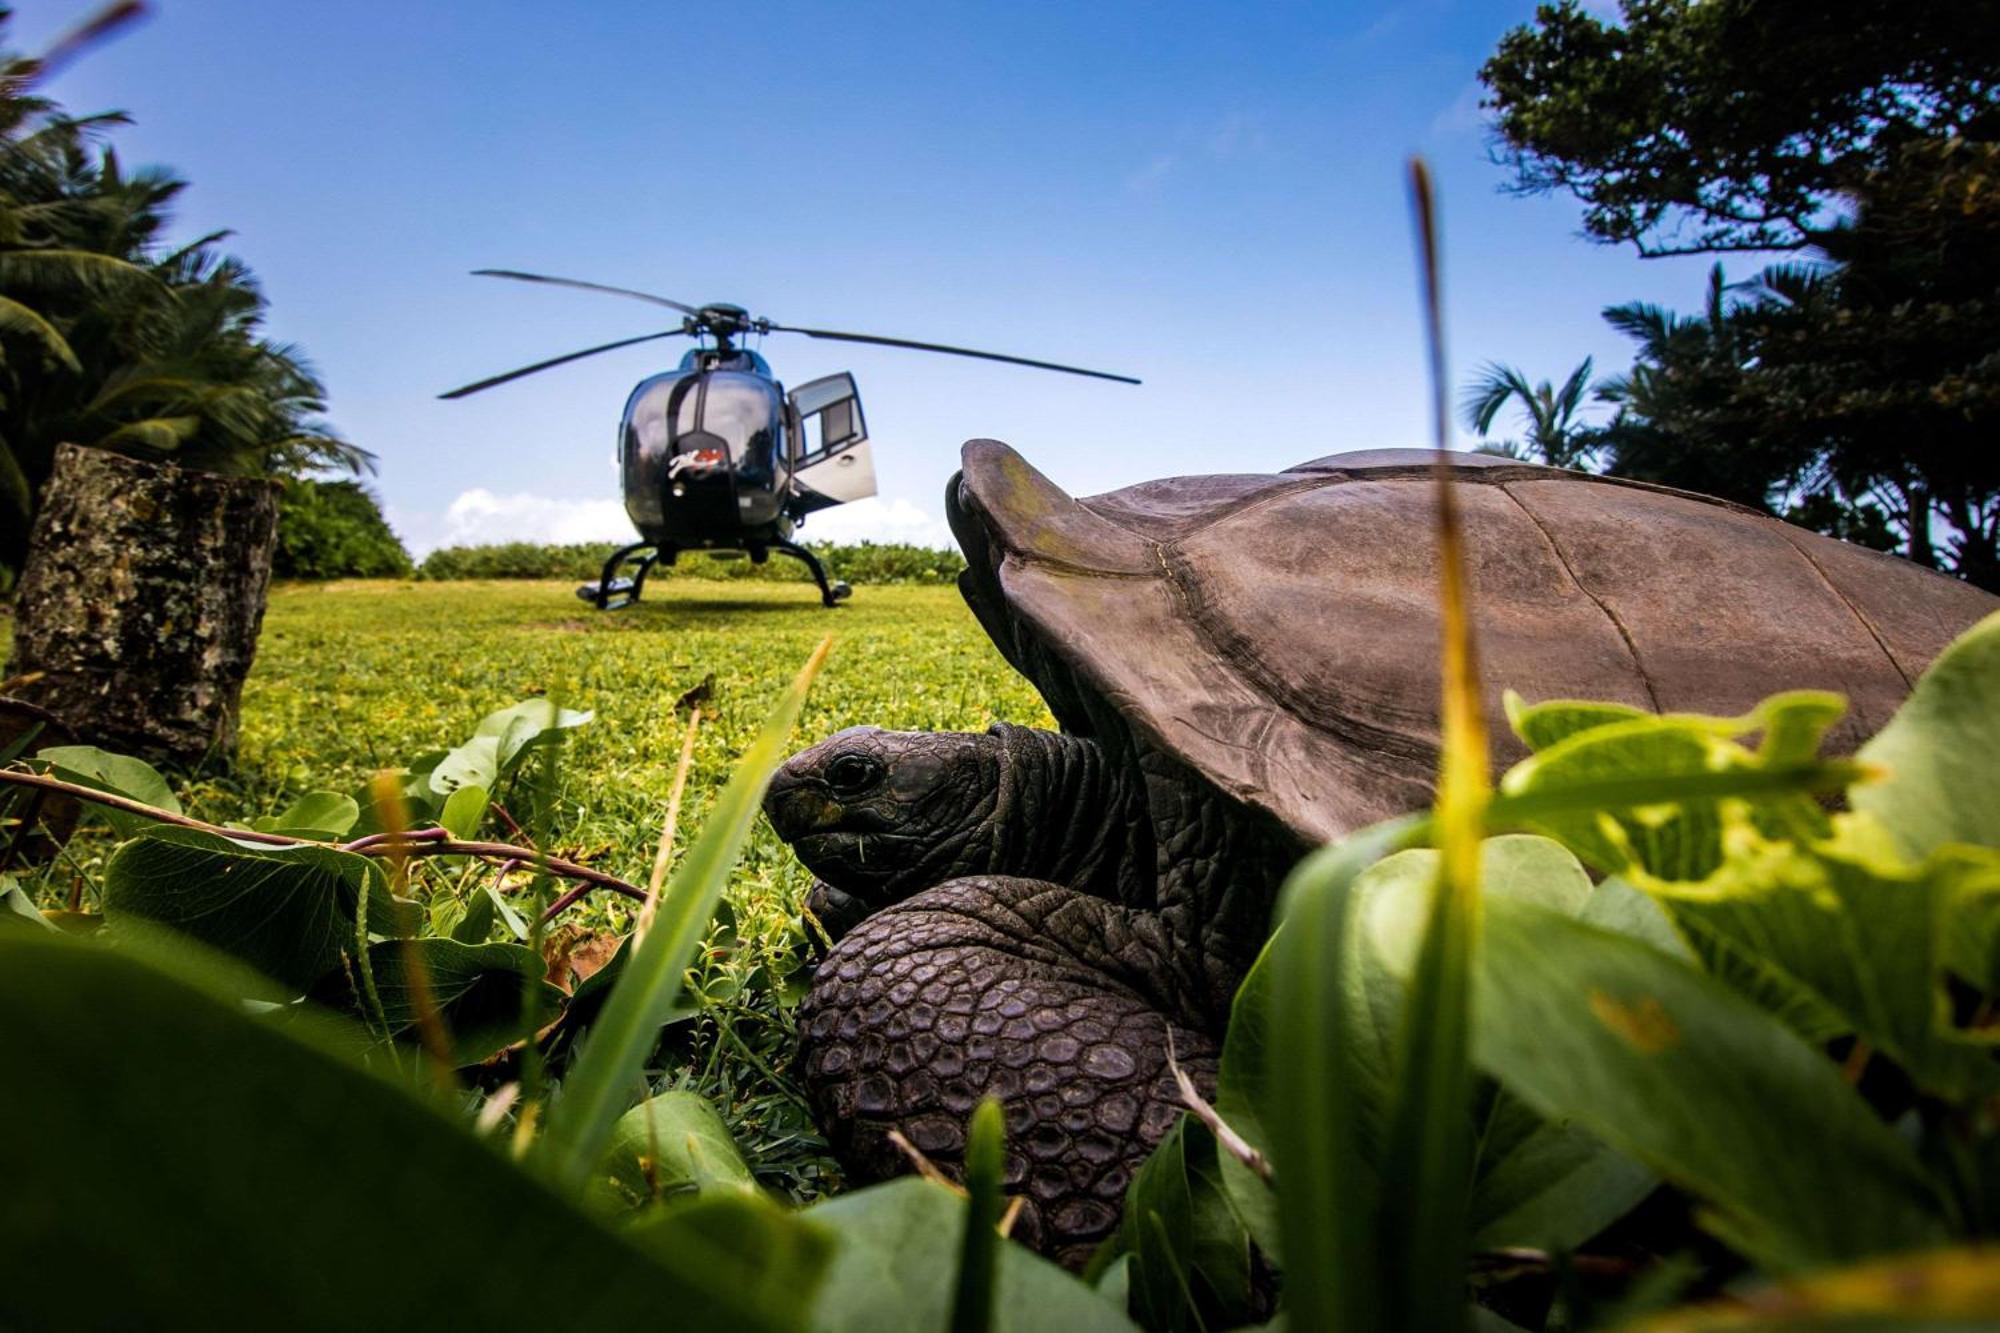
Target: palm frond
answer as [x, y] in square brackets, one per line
[1488, 393]
[21, 321]
[154, 435]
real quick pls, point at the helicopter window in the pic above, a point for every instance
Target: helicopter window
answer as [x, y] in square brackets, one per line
[830, 416]
[744, 414]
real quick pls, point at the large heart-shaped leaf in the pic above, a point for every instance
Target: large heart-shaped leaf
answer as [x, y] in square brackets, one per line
[480, 992]
[170, 1159]
[288, 912]
[1536, 1183]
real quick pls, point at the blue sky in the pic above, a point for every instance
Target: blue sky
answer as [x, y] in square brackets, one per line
[1210, 197]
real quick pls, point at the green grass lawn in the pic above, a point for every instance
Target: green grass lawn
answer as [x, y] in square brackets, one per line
[356, 676]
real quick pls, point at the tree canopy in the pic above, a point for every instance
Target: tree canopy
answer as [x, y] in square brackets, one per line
[1716, 125]
[1856, 390]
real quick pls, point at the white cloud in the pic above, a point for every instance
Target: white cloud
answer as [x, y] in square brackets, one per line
[479, 516]
[877, 520]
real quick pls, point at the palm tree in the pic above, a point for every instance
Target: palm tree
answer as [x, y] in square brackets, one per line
[106, 341]
[1555, 434]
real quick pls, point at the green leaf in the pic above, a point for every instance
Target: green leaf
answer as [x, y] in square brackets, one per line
[480, 992]
[1242, 1090]
[1684, 1075]
[464, 811]
[1544, 1185]
[1541, 725]
[18, 909]
[895, 1265]
[1840, 935]
[119, 774]
[1942, 784]
[527, 723]
[1190, 1255]
[323, 814]
[498, 744]
[1668, 835]
[649, 984]
[264, 1178]
[288, 912]
[667, 1148]
[473, 764]
[477, 923]
[1329, 1195]
[764, 1254]
[1535, 1184]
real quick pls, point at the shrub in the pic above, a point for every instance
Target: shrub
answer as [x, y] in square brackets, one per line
[859, 562]
[335, 530]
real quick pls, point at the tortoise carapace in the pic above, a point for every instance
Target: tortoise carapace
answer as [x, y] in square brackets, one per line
[715, 455]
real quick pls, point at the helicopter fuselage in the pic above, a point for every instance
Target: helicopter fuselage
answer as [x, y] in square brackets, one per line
[716, 455]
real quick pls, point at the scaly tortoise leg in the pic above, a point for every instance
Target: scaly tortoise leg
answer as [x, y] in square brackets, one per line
[1052, 1000]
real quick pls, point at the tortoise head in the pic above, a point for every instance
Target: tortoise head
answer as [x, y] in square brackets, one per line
[879, 815]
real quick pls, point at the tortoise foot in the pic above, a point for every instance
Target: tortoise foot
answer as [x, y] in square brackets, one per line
[1043, 997]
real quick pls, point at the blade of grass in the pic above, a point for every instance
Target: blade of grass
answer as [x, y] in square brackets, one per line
[1429, 1141]
[664, 855]
[979, 1256]
[579, 1124]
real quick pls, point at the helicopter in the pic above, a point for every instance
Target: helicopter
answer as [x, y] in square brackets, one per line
[715, 455]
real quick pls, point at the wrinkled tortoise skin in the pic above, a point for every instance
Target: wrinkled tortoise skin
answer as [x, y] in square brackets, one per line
[1016, 989]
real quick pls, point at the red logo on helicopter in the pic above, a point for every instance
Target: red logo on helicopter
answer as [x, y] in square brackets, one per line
[698, 460]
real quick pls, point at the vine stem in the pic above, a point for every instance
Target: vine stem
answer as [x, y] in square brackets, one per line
[418, 842]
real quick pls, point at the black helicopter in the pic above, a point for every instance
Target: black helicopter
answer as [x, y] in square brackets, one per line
[716, 456]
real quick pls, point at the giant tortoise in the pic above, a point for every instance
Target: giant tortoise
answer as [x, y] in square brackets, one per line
[1243, 666]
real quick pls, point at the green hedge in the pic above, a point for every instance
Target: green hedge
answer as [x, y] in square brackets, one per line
[335, 530]
[860, 562]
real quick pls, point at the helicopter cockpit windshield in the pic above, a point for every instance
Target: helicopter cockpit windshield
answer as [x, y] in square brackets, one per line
[714, 439]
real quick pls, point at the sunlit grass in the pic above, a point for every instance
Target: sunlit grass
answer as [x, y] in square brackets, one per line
[355, 676]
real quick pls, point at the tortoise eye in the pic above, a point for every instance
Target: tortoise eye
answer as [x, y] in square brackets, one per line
[850, 774]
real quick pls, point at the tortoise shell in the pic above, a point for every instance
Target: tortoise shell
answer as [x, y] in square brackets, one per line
[1280, 633]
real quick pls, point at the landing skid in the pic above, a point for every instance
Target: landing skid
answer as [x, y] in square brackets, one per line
[831, 593]
[615, 589]
[612, 590]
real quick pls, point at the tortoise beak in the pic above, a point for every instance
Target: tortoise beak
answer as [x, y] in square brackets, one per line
[797, 806]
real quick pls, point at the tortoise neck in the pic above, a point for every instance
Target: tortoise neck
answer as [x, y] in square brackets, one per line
[1064, 814]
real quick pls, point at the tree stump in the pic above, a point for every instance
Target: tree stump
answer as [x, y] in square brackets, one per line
[140, 602]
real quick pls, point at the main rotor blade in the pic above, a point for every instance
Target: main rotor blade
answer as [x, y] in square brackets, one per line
[584, 286]
[463, 390]
[954, 351]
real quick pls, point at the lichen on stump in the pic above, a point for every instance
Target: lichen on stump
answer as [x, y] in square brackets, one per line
[141, 599]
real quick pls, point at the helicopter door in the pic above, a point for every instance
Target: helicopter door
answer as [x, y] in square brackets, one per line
[835, 462]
